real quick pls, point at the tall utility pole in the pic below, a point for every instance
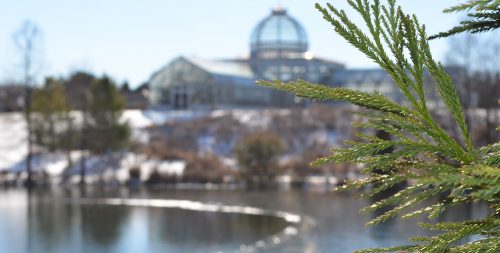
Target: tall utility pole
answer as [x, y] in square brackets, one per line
[26, 39]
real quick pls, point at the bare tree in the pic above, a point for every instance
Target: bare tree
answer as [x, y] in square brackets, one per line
[479, 82]
[462, 53]
[27, 39]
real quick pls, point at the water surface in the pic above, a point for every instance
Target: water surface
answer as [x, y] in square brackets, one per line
[56, 221]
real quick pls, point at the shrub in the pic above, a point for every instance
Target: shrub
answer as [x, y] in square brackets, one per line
[205, 169]
[257, 155]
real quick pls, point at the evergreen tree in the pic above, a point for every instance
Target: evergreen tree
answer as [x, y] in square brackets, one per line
[52, 123]
[422, 152]
[106, 132]
[79, 98]
[49, 103]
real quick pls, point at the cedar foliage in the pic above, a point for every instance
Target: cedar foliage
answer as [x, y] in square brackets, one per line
[423, 152]
[484, 16]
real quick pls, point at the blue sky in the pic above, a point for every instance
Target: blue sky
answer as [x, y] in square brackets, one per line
[130, 39]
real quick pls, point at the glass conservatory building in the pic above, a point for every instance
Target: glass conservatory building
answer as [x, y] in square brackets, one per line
[278, 50]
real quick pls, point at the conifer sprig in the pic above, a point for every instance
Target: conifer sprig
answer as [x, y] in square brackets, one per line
[484, 16]
[421, 151]
[321, 92]
[477, 5]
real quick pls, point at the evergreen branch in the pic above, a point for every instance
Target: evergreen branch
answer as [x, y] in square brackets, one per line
[448, 93]
[394, 199]
[477, 5]
[485, 16]
[420, 151]
[389, 249]
[495, 147]
[456, 231]
[483, 21]
[405, 32]
[373, 50]
[413, 127]
[374, 101]
[492, 159]
[408, 201]
[488, 245]
[437, 209]
[386, 183]
[359, 183]
[370, 152]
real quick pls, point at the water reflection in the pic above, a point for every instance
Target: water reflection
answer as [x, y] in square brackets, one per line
[50, 222]
[43, 222]
[55, 225]
[102, 224]
[173, 226]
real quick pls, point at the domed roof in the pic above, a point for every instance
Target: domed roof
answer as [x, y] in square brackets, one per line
[278, 35]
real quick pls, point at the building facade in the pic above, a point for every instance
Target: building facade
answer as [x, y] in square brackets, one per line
[278, 51]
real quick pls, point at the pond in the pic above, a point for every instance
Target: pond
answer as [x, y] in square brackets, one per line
[166, 220]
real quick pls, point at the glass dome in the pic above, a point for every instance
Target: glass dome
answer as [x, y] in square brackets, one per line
[278, 36]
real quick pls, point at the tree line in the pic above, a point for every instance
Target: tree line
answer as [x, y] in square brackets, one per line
[81, 113]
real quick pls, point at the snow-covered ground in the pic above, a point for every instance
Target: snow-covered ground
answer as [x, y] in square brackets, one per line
[13, 142]
[160, 117]
[13, 147]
